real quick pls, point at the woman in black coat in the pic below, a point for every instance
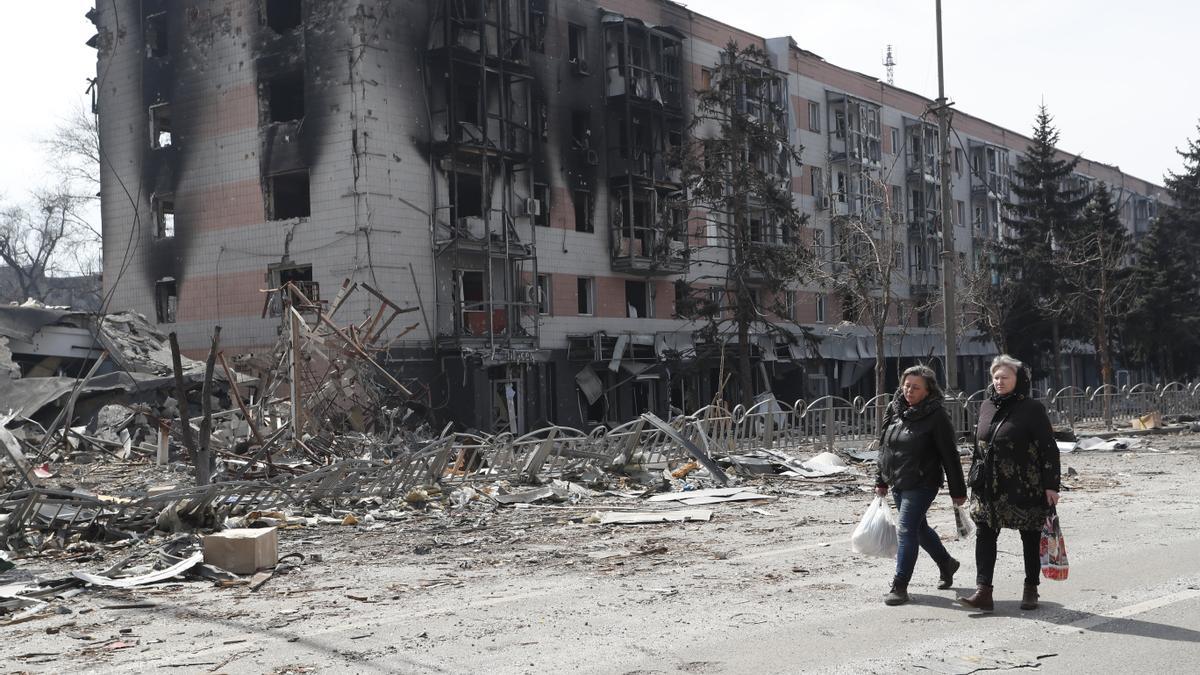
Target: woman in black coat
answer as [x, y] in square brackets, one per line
[915, 449]
[1014, 477]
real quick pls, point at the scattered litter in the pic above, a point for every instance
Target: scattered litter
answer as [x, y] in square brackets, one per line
[1151, 420]
[143, 579]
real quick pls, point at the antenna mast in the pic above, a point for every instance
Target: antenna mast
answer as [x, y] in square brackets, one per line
[891, 66]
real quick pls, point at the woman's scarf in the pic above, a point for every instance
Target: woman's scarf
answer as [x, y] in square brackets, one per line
[1020, 391]
[902, 410]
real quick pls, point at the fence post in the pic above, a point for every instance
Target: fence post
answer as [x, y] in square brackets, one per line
[830, 430]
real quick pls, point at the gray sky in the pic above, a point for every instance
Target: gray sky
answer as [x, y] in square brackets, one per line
[46, 65]
[1119, 78]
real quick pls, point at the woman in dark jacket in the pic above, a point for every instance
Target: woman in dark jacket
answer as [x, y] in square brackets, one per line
[915, 449]
[1014, 477]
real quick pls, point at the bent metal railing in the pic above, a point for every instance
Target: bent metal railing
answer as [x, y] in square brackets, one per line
[457, 459]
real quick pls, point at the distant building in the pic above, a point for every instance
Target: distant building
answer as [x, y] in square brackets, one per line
[501, 164]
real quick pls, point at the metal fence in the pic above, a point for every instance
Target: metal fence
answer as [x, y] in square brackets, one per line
[458, 459]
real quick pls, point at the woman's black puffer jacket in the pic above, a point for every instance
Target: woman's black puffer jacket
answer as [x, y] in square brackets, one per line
[917, 448]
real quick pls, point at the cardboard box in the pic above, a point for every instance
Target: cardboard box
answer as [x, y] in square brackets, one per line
[242, 551]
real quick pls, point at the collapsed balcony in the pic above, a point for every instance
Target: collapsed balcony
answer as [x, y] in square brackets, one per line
[921, 147]
[855, 132]
[649, 234]
[642, 62]
[492, 30]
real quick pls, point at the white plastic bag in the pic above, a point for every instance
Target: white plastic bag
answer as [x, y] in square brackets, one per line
[963, 523]
[876, 532]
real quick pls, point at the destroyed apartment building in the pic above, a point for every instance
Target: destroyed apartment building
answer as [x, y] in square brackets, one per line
[498, 170]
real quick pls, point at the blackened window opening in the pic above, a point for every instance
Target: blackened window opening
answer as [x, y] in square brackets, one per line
[284, 15]
[160, 126]
[541, 206]
[583, 211]
[286, 97]
[156, 35]
[289, 196]
[635, 299]
[166, 300]
[466, 197]
[164, 217]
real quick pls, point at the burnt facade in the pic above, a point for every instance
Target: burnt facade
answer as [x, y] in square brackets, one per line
[502, 165]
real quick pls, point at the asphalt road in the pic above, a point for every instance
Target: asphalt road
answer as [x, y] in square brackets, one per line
[762, 588]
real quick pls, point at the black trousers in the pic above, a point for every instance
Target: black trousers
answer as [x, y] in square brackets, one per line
[985, 554]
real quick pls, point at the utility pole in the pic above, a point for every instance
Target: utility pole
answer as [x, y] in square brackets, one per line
[949, 258]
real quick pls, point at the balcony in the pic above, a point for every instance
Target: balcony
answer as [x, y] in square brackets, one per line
[649, 254]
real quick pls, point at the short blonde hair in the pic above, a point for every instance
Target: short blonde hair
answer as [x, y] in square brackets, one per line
[1006, 361]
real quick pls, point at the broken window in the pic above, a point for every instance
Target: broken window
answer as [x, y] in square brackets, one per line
[156, 35]
[301, 276]
[820, 309]
[789, 305]
[814, 116]
[539, 206]
[543, 293]
[288, 196]
[160, 125]
[471, 302]
[716, 296]
[537, 25]
[577, 47]
[283, 15]
[581, 130]
[706, 79]
[583, 288]
[961, 212]
[636, 300]
[583, 211]
[466, 200]
[895, 141]
[166, 299]
[164, 216]
[285, 97]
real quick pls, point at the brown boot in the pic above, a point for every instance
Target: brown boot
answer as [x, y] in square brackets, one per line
[981, 600]
[1029, 599]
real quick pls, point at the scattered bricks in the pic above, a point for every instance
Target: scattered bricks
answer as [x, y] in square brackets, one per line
[242, 551]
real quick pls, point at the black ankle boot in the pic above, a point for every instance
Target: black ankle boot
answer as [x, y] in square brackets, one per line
[899, 593]
[947, 573]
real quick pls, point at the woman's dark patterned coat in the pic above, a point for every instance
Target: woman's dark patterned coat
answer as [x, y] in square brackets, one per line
[1014, 462]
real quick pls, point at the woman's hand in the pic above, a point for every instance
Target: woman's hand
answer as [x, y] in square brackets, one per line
[1052, 497]
[958, 501]
[881, 490]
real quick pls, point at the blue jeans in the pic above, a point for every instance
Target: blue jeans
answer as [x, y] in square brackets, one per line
[914, 530]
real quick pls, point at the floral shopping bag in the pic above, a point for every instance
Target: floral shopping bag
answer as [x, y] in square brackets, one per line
[1053, 549]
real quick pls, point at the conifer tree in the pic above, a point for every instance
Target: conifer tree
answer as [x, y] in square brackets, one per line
[1095, 279]
[1164, 325]
[736, 168]
[1046, 210]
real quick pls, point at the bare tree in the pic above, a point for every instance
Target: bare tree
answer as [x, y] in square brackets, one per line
[74, 152]
[990, 298]
[864, 265]
[33, 239]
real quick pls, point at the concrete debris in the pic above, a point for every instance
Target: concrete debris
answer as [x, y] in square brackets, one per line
[648, 517]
